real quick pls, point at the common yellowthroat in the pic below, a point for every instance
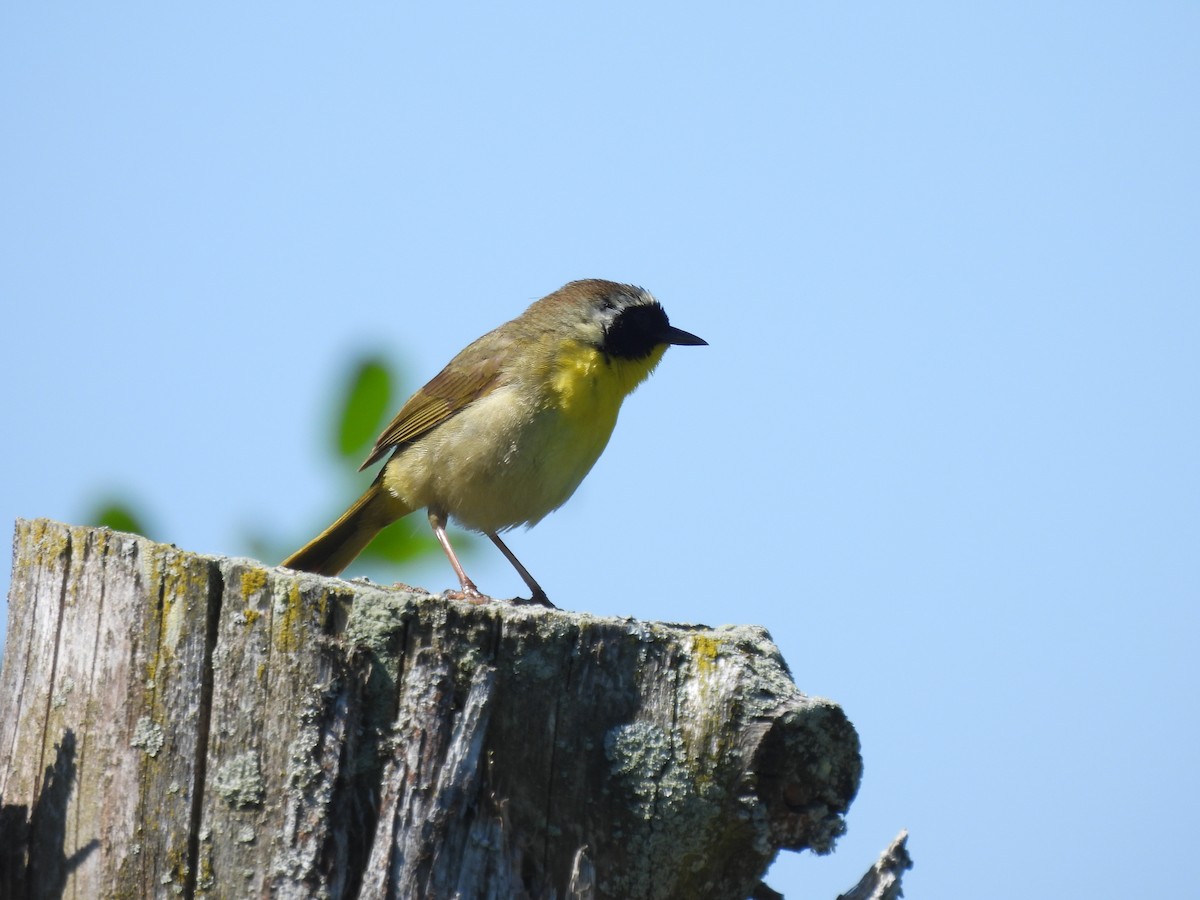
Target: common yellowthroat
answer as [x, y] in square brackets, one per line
[505, 433]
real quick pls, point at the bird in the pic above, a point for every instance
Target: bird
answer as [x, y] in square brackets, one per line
[505, 433]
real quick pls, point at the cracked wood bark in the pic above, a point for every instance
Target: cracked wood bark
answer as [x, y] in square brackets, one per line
[174, 724]
[883, 880]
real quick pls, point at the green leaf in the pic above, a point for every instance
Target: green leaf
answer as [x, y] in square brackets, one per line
[399, 544]
[367, 400]
[118, 516]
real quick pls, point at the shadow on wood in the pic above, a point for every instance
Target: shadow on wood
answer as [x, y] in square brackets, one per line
[201, 726]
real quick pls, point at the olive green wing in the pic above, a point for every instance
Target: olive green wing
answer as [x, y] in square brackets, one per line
[469, 376]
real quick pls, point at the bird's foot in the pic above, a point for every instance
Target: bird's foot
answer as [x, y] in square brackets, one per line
[470, 593]
[538, 599]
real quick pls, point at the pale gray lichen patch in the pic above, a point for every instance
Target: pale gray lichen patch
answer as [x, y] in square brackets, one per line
[376, 619]
[65, 688]
[148, 736]
[639, 754]
[239, 781]
[672, 797]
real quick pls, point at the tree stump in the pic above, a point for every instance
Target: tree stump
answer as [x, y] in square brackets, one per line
[181, 725]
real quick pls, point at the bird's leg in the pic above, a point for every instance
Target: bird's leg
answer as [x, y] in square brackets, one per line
[539, 596]
[437, 521]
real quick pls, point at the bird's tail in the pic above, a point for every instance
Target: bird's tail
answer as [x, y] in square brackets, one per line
[337, 546]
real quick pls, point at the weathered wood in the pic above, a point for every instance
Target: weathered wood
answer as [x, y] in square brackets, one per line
[882, 880]
[174, 724]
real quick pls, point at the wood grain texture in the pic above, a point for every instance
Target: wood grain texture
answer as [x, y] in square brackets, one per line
[179, 725]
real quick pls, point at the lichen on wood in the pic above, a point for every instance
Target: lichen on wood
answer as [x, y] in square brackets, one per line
[316, 737]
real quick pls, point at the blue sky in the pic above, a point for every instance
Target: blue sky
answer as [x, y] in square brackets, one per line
[944, 442]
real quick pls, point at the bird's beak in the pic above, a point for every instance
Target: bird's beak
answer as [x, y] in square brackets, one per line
[675, 335]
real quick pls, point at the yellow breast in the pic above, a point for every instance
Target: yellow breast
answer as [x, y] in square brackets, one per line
[589, 387]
